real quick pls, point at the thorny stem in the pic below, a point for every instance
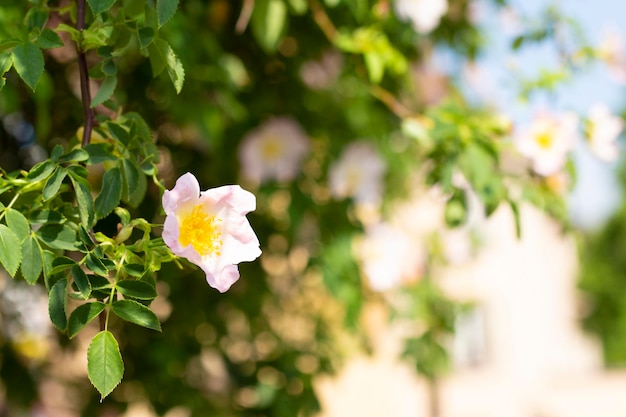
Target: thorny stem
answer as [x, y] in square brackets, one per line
[85, 92]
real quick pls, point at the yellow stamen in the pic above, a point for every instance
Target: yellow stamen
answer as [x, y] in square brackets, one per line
[201, 231]
[544, 139]
[271, 148]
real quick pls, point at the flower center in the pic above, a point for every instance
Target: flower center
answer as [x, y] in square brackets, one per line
[271, 148]
[201, 230]
[544, 140]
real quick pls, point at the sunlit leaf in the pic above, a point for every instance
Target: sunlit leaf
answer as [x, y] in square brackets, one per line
[137, 313]
[33, 267]
[28, 62]
[17, 223]
[57, 304]
[10, 250]
[81, 316]
[105, 92]
[110, 194]
[136, 289]
[105, 367]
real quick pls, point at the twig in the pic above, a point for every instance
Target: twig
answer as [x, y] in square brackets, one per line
[323, 21]
[85, 92]
[390, 101]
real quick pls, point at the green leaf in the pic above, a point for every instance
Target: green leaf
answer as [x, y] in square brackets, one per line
[81, 316]
[36, 18]
[130, 176]
[118, 133]
[99, 6]
[75, 155]
[54, 183]
[49, 39]
[96, 266]
[85, 203]
[28, 62]
[105, 92]
[268, 23]
[10, 250]
[82, 282]
[99, 152]
[137, 313]
[165, 10]
[163, 57]
[58, 236]
[134, 270]
[375, 65]
[18, 224]
[57, 304]
[105, 367]
[5, 45]
[136, 289]
[31, 251]
[110, 194]
[41, 171]
[146, 36]
[56, 153]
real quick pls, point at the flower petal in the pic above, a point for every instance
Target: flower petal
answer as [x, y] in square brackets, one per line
[185, 191]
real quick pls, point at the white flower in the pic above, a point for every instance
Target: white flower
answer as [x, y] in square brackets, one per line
[611, 51]
[273, 151]
[210, 228]
[322, 73]
[424, 15]
[390, 257]
[603, 128]
[358, 174]
[548, 140]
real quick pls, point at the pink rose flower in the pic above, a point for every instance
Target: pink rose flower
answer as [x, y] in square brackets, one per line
[210, 228]
[273, 151]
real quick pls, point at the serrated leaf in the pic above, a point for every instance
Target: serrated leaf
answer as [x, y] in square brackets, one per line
[146, 36]
[58, 236]
[28, 62]
[105, 92]
[105, 367]
[96, 266]
[41, 171]
[81, 316]
[165, 10]
[82, 282]
[85, 203]
[163, 57]
[110, 194]
[10, 250]
[99, 6]
[118, 133]
[49, 39]
[136, 289]
[57, 304]
[137, 313]
[32, 252]
[54, 183]
[268, 23]
[130, 176]
[108, 67]
[18, 224]
[36, 18]
[75, 155]
[134, 270]
[98, 152]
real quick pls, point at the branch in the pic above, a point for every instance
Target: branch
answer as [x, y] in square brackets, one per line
[85, 92]
[323, 21]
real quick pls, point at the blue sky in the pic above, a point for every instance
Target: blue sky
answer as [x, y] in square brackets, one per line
[596, 194]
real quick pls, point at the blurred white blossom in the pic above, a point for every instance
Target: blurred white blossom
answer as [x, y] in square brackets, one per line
[358, 174]
[611, 51]
[424, 15]
[390, 257]
[273, 151]
[548, 140]
[322, 73]
[603, 129]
